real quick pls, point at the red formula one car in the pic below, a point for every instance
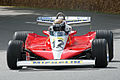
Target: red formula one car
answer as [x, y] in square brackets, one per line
[60, 47]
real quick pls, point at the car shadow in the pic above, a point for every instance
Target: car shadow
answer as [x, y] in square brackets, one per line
[65, 68]
[115, 61]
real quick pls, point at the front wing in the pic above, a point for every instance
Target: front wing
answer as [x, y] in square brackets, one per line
[55, 62]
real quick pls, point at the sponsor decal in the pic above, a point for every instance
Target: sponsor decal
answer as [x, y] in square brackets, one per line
[56, 62]
[75, 20]
[46, 18]
[60, 38]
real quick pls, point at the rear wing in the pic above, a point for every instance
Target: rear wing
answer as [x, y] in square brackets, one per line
[70, 20]
[78, 21]
[47, 21]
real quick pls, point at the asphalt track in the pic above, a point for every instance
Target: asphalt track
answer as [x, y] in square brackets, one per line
[16, 19]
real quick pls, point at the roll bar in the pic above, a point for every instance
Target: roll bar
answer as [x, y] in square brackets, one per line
[60, 14]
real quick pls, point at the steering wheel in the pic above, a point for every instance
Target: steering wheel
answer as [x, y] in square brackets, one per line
[60, 14]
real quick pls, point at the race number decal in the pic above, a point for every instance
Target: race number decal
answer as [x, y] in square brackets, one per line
[58, 43]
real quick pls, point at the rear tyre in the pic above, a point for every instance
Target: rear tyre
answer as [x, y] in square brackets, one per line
[15, 48]
[21, 35]
[108, 35]
[99, 50]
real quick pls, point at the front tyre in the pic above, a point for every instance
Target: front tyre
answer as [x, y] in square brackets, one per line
[108, 35]
[99, 50]
[15, 48]
[21, 35]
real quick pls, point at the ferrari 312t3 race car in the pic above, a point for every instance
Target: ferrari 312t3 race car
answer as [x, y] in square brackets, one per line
[60, 47]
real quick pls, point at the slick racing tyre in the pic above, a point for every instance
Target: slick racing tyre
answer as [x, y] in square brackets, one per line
[108, 35]
[21, 35]
[99, 50]
[15, 48]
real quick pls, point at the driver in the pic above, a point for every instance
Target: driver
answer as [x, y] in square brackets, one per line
[60, 25]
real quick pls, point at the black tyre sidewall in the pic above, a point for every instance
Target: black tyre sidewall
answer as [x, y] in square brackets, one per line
[14, 51]
[99, 47]
[21, 35]
[108, 35]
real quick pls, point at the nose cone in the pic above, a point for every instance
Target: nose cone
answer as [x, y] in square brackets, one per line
[58, 43]
[57, 54]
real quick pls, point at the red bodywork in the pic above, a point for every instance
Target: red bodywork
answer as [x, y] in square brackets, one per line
[75, 45]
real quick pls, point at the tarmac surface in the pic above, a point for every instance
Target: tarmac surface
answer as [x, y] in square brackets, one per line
[19, 19]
